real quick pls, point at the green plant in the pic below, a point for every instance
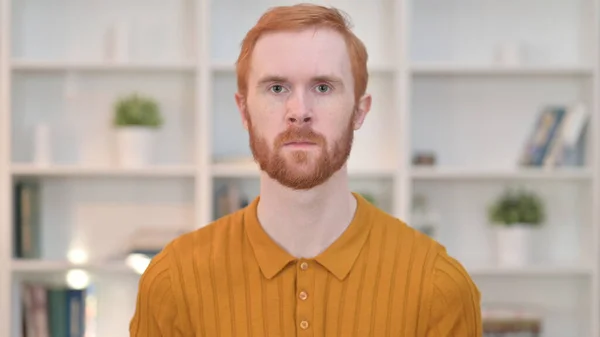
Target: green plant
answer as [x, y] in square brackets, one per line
[137, 110]
[517, 206]
[368, 196]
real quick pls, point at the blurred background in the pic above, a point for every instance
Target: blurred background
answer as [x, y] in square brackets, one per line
[119, 131]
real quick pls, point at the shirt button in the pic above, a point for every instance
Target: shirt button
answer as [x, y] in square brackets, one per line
[304, 266]
[303, 295]
[304, 325]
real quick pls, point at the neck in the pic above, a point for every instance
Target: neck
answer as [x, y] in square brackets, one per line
[306, 222]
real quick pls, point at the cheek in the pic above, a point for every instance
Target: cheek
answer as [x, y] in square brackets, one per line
[334, 121]
[263, 123]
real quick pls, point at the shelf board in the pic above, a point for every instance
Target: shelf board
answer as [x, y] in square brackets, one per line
[43, 266]
[542, 271]
[491, 70]
[84, 171]
[26, 65]
[434, 173]
[250, 170]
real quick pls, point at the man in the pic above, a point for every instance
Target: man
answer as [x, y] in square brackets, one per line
[307, 257]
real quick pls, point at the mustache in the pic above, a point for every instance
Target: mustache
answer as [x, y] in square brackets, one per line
[303, 134]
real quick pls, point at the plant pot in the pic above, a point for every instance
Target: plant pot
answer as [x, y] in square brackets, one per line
[134, 146]
[514, 245]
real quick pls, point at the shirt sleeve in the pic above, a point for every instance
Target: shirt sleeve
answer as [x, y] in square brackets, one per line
[455, 302]
[155, 308]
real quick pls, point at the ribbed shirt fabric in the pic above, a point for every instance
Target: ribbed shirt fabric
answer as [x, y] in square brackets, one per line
[380, 278]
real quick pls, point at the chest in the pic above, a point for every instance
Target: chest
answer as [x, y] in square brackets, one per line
[306, 299]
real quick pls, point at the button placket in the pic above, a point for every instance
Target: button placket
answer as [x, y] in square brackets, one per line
[304, 306]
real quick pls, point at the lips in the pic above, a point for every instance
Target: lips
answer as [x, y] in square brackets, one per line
[300, 142]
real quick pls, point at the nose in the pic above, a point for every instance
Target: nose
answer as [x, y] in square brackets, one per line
[298, 110]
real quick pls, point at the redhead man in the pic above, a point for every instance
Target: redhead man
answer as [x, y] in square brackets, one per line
[307, 257]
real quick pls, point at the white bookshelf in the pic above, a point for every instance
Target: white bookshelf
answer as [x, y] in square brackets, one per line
[434, 86]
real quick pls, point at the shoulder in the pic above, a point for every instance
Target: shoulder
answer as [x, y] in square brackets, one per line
[442, 272]
[451, 281]
[453, 301]
[189, 251]
[445, 285]
[409, 244]
[162, 295]
[212, 239]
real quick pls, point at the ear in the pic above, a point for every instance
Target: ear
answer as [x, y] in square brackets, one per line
[363, 108]
[240, 101]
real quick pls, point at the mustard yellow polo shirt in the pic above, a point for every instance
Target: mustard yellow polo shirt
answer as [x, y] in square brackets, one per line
[380, 278]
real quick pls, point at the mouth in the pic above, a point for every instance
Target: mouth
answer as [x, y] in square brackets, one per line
[299, 143]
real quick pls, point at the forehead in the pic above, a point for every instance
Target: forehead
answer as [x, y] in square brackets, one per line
[308, 52]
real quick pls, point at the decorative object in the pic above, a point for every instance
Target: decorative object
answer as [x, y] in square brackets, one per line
[117, 42]
[424, 158]
[42, 152]
[511, 321]
[516, 214]
[368, 196]
[509, 54]
[424, 218]
[136, 119]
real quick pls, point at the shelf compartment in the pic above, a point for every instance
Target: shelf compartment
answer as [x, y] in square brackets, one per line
[564, 240]
[562, 304]
[78, 110]
[101, 216]
[147, 31]
[485, 122]
[109, 299]
[471, 32]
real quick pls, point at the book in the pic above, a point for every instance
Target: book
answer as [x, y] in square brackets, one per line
[548, 123]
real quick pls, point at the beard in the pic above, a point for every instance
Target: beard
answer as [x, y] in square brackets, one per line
[301, 170]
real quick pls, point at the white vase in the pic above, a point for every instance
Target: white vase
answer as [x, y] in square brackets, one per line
[514, 245]
[134, 146]
[509, 54]
[42, 151]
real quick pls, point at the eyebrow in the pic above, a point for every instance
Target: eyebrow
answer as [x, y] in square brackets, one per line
[321, 78]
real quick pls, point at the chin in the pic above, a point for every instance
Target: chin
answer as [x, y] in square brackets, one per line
[293, 164]
[301, 159]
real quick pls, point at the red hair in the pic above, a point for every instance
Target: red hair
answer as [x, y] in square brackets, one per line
[298, 17]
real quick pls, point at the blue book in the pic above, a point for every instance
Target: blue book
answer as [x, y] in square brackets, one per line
[75, 312]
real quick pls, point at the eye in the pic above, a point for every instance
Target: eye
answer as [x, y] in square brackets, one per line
[277, 88]
[323, 88]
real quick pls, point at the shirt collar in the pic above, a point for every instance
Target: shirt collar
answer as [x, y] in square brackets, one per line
[338, 258]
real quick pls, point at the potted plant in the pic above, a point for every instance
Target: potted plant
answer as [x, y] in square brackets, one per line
[516, 214]
[136, 119]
